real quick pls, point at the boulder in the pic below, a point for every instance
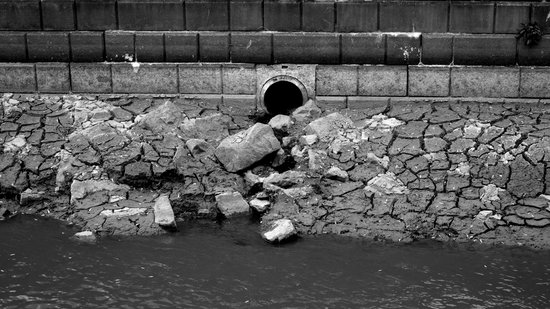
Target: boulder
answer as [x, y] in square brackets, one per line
[80, 189]
[329, 126]
[308, 140]
[245, 148]
[164, 119]
[281, 122]
[86, 236]
[386, 183]
[337, 174]
[211, 128]
[29, 196]
[279, 230]
[198, 146]
[164, 215]
[306, 112]
[286, 179]
[232, 204]
[259, 205]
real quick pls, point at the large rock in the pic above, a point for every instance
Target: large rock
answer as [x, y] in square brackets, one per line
[329, 126]
[164, 119]
[279, 230]
[80, 189]
[245, 148]
[232, 204]
[164, 215]
[281, 122]
[210, 128]
[307, 111]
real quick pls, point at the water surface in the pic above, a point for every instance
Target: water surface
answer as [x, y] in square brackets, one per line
[206, 265]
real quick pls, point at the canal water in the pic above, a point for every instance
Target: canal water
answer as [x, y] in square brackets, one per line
[207, 265]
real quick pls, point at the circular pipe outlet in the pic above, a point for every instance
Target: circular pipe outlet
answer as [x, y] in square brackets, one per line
[282, 94]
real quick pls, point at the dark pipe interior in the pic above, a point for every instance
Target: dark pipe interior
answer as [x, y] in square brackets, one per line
[282, 98]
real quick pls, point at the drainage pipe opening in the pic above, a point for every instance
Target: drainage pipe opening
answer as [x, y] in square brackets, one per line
[282, 95]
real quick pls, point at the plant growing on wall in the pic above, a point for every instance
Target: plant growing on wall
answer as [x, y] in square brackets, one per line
[531, 33]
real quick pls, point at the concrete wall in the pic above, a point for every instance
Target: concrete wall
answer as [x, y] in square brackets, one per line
[246, 79]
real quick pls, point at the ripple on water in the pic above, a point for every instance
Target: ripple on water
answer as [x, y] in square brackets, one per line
[206, 265]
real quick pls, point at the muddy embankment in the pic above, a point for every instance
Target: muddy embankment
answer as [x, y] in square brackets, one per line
[469, 172]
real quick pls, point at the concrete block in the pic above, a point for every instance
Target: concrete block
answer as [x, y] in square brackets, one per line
[282, 15]
[331, 103]
[356, 16]
[368, 103]
[53, 77]
[150, 15]
[239, 78]
[20, 15]
[251, 47]
[534, 55]
[509, 16]
[58, 14]
[148, 78]
[239, 104]
[87, 46]
[426, 81]
[48, 46]
[246, 15]
[91, 77]
[437, 48]
[210, 15]
[382, 80]
[13, 47]
[304, 73]
[368, 48]
[96, 14]
[539, 14]
[492, 82]
[307, 47]
[318, 16]
[214, 47]
[403, 48]
[119, 45]
[200, 78]
[535, 82]
[181, 47]
[17, 77]
[150, 46]
[421, 16]
[471, 17]
[488, 49]
[336, 80]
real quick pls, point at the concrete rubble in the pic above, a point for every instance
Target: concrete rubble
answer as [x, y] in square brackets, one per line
[122, 165]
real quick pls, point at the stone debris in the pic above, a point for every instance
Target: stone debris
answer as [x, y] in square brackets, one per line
[281, 123]
[86, 236]
[245, 148]
[164, 215]
[260, 205]
[232, 204]
[465, 171]
[337, 174]
[386, 183]
[306, 112]
[279, 230]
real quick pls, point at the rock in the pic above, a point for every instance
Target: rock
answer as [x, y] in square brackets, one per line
[382, 123]
[281, 122]
[29, 196]
[252, 178]
[317, 159]
[211, 128]
[307, 111]
[337, 174]
[280, 158]
[329, 126]
[15, 144]
[198, 146]
[279, 230]
[489, 193]
[123, 212]
[308, 140]
[162, 120]
[79, 189]
[386, 183]
[87, 236]
[164, 215]
[232, 204]
[286, 179]
[259, 205]
[245, 148]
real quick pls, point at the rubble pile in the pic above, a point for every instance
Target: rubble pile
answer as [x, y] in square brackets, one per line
[465, 171]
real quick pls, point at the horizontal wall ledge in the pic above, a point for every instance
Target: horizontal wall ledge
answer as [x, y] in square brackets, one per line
[253, 15]
[234, 79]
[269, 47]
